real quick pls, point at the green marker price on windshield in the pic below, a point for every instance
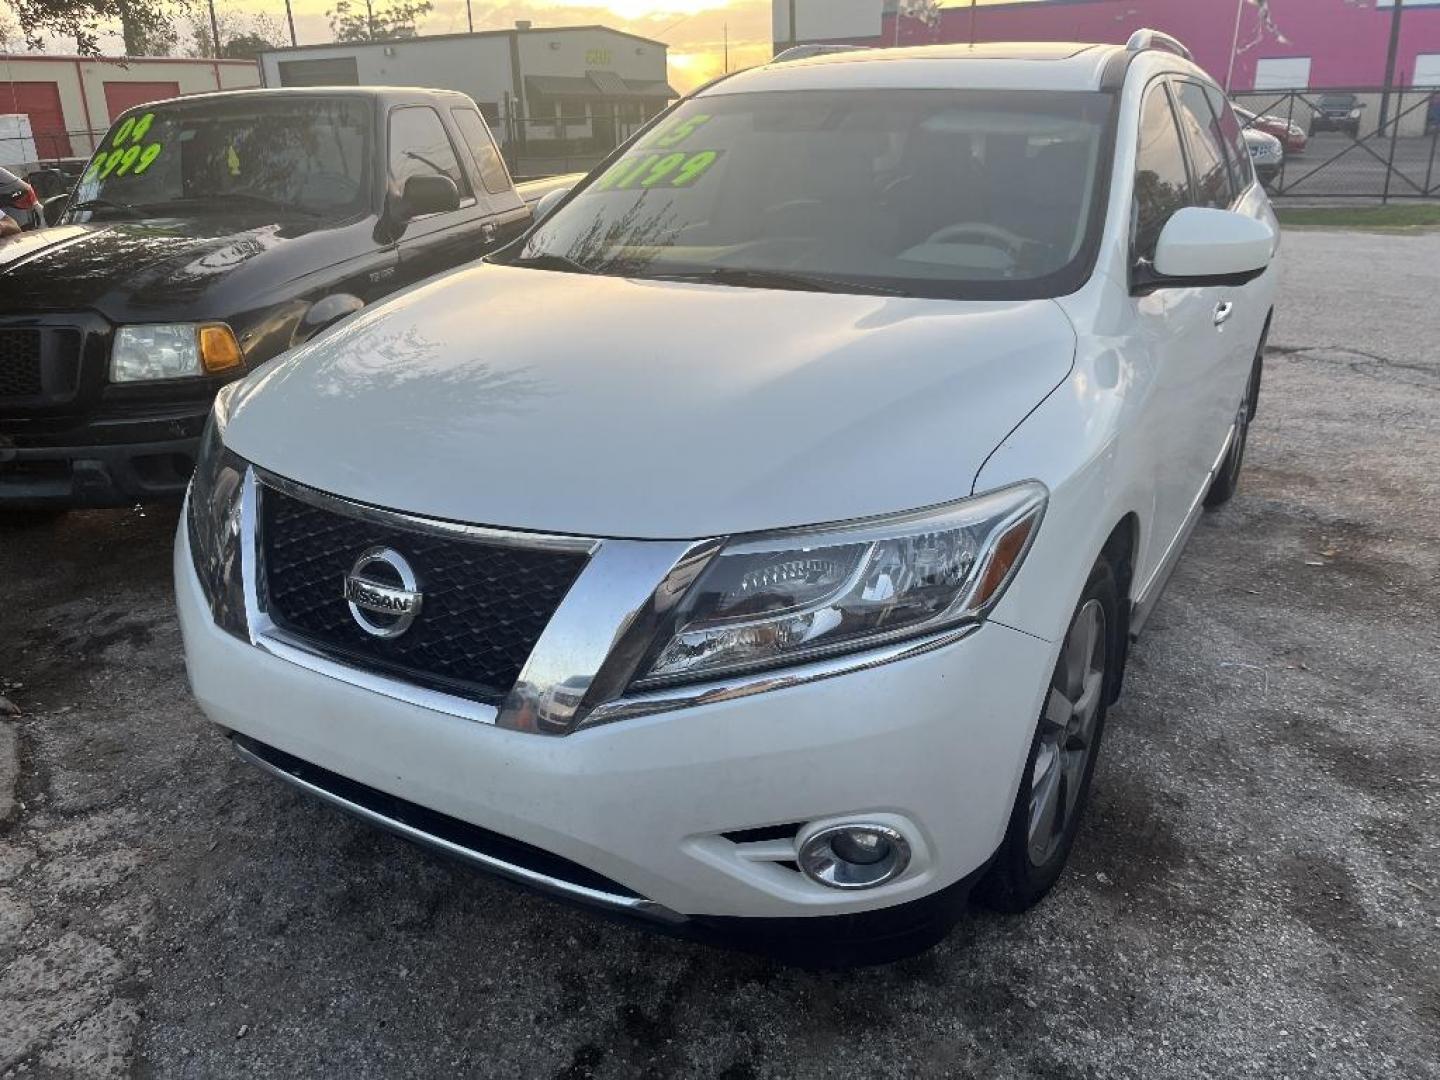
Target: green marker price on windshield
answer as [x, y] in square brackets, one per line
[677, 134]
[126, 155]
[676, 170]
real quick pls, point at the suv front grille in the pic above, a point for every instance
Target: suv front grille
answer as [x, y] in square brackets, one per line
[38, 363]
[485, 604]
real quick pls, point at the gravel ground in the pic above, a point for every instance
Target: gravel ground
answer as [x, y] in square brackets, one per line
[1257, 891]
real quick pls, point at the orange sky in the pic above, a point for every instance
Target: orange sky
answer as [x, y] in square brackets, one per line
[694, 29]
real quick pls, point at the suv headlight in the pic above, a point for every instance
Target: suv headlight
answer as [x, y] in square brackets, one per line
[789, 597]
[214, 524]
[172, 351]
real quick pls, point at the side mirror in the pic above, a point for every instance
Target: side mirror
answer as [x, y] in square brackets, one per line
[545, 205]
[54, 207]
[1203, 247]
[429, 195]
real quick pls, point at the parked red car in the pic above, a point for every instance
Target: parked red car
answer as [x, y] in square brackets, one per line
[1291, 136]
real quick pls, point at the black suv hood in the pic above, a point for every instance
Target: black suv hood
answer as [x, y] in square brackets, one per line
[165, 269]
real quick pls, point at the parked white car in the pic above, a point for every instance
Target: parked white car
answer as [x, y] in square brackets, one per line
[755, 547]
[1267, 154]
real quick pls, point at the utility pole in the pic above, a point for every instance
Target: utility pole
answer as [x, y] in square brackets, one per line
[794, 32]
[972, 23]
[1395, 13]
[1234, 45]
[469, 18]
[290, 18]
[214, 28]
[727, 48]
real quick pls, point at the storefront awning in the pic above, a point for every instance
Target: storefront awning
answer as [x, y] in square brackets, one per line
[596, 84]
[652, 89]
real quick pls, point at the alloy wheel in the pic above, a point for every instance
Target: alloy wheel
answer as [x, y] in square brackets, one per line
[1067, 732]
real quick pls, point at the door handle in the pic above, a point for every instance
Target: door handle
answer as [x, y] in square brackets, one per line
[1223, 311]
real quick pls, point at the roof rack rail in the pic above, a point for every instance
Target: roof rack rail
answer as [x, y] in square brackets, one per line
[1144, 39]
[804, 52]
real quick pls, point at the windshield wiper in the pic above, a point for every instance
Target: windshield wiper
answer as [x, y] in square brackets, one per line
[782, 279]
[551, 261]
[250, 197]
[102, 204]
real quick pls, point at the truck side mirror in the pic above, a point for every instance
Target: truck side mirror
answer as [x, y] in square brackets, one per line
[430, 194]
[53, 208]
[547, 203]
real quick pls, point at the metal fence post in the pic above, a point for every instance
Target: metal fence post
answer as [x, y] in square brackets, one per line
[1430, 168]
[1390, 163]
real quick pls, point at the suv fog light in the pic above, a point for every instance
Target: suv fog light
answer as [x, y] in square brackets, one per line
[854, 856]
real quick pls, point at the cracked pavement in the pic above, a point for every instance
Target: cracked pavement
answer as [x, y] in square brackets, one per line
[1256, 891]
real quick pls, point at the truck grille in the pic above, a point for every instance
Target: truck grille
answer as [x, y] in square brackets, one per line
[38, 363]
[20, 363]
[485, 604]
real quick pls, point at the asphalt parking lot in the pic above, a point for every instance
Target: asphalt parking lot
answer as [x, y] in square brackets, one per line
[1334, 165]
[1256, 893]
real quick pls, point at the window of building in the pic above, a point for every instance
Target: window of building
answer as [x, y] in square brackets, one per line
[419, 146]
[1162, 184]
[1283, 73]
[332, 71]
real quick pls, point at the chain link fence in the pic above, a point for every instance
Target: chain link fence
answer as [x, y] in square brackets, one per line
[566, 142]
[1352, 143]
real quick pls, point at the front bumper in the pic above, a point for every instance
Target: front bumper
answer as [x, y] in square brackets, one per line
[936, 742]
[116, 460]
[96, 475]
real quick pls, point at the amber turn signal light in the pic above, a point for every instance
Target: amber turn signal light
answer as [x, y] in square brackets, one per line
[1002, 560]
[219, 351]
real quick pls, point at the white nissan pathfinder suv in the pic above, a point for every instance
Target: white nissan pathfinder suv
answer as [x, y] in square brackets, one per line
[754, 546]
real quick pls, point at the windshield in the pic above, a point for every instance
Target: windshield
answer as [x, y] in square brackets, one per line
[306, 156]
[949, 193]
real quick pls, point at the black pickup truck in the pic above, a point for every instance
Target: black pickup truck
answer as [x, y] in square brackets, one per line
[208, 235]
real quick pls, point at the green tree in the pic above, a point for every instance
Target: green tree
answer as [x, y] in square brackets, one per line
[366, 20]
[245, 46]
[145, 25]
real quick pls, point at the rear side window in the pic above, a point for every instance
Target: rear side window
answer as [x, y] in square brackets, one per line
[1213, 183]
[488, 163]
[419, 146]
[1162, 185]
[1234, 137]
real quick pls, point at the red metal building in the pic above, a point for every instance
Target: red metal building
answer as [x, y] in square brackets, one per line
[1287, 44]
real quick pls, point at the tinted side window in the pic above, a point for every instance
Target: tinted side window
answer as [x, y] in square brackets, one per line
[420, 147]
[1162, 185]
[488, 163]
[1213, 184]
[1234, 137]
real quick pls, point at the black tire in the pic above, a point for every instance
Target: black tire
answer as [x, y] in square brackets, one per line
[1017, 880]
[1257, 371]
[1227, 480]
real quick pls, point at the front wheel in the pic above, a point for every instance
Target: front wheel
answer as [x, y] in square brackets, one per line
[1056, 784]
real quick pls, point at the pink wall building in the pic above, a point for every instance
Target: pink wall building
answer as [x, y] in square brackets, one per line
[1313, 43]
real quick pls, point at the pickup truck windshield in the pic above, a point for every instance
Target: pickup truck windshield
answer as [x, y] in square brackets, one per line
[304, 156]
[948, 193]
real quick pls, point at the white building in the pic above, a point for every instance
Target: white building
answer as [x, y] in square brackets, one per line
[71, 100]
[565, 84]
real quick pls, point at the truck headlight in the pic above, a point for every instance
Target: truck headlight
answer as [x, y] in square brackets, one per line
[214, 524]
[789, 597]
[172, 351]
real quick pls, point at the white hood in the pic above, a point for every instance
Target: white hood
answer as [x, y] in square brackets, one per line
[607, 406]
